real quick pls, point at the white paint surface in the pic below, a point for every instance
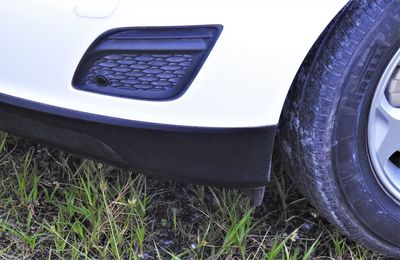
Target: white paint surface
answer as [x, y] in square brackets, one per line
[243, 83]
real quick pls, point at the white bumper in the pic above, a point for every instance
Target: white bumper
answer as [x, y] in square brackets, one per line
[243, 83]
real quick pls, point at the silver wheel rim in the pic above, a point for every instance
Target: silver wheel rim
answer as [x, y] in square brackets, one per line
[384, 131]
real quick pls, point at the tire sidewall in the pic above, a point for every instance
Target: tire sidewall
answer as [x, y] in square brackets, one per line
[352, 169]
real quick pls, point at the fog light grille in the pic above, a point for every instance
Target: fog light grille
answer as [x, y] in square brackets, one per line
[145, 63]
[150, 72]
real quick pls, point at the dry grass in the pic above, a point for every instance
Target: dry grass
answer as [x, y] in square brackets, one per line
[54, 205]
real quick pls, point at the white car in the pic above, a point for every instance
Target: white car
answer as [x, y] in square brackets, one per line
[204, 91]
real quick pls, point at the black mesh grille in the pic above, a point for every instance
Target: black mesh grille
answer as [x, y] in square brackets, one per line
[145, 63]
[147, 72]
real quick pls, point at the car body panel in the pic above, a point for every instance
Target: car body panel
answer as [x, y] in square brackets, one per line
[243, 83]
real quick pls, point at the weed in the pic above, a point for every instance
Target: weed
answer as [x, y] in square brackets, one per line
[54, 205]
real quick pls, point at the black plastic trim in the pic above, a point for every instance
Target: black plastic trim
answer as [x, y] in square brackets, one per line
[229, 157]
[192, 43]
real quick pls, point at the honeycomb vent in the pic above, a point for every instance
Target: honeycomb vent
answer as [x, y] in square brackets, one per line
[145, 63]
[147, 72]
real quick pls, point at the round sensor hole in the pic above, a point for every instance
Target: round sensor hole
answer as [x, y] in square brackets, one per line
[101, 80]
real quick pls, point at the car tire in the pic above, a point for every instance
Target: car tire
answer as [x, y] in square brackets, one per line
[323, 134]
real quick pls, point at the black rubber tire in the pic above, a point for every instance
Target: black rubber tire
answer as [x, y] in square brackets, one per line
[323, 126]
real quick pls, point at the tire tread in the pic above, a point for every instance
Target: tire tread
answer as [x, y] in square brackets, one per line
[305, 134]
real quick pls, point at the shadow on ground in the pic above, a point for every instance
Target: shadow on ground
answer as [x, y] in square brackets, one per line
[55, 205]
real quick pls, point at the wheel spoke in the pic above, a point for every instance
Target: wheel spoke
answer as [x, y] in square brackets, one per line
[384, 129]
[388, 134]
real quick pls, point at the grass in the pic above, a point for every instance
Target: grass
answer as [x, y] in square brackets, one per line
[54, 205]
